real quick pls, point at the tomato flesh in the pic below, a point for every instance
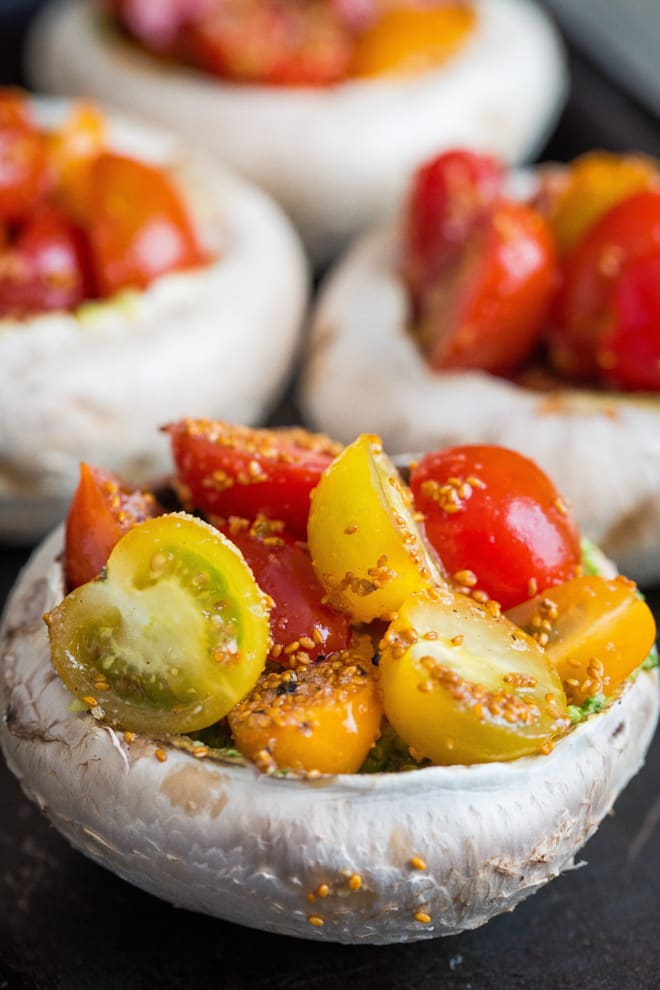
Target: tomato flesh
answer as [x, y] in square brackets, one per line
[450, 195]
[103, 508]
[139, 228]
[595, 632]
[365, 544]
[461, 686]
[226, 470]
[172, 636]
[302, 627]
[323, 718]
[493, 514]
[488, 308]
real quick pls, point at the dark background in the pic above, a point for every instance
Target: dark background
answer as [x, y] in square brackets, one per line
[65, 924]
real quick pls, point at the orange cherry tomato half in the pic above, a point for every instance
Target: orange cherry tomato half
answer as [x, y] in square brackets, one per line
[629, 351]
[47, 268]
[583, 311]
[226, 470]
[595, 632]
[496, 521]
[449, 196]
[101, 511]
[323, 718]
[302, 627]
[487, 310]
[14, 108]
[139, 228]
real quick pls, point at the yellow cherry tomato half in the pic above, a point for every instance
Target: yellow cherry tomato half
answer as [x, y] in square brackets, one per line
[574, 197]
[171, 636]
[594, 631]
[366, 547]
[460, 685]
[325, 717]
[412, 39]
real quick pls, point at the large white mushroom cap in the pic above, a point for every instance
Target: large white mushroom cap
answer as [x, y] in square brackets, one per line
[337, 158]
[364, 372]
[227, 841]
[216, 341]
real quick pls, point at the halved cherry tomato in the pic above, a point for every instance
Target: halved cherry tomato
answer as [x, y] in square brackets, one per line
[412, 39]
[302, 627]
[171, 637]
[450, 195]
[583, 311]
[487, 309]
[23, 169]
[366, 546]
[573, 197]
[47, 268]
[139, 228]
[323, 718]
[271, 42]
[14, 108]
[227, 470]
[103, 508]
[157, 25]
[72, 149]
[594, 631]
[461, 686]
[629, 350]
[496, 521]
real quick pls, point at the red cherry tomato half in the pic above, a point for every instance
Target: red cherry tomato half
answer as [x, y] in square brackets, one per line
[583, 313]
[448, 198]
[48, 268]
[226, 470]
[23, 169]
[494, 513]
[101, 511]
[139, 228]
[487, 309]
[629, 352]
[157, 25]
[14, 108]
[300, 624]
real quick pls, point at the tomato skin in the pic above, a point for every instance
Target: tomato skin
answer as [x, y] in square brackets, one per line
[227, 470]
[48, 268]
[629, 351]
[449, 196]
[583, 309]
[510, 527]
[487, 311]
[101, 511]
[283, 569]
[138, 224]
[23, 171]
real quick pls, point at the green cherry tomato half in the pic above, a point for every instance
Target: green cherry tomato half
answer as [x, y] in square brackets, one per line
[366, 546]
[460, 685]
[173, 634]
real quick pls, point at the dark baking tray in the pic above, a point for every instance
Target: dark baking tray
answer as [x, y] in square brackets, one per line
[66, 924]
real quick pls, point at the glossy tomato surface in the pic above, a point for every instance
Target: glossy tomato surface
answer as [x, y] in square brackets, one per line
[302, 627]
[227, 470]
[590, 274]
[101, 511]
[496, 521]
[139, 228]
[47, 268]
[488, 308]
[629, 350]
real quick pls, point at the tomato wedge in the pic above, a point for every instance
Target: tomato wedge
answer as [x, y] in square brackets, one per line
[302, 627]
[323, 718]
[366, 546]
[103, 508]
[461, 686]
[171, 637]
[227, 470]
[496, 521]
[594, 631]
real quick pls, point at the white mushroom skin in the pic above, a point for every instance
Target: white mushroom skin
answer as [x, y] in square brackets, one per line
[337, 158]
[602, 449]
[215, 341]
[227, 841]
